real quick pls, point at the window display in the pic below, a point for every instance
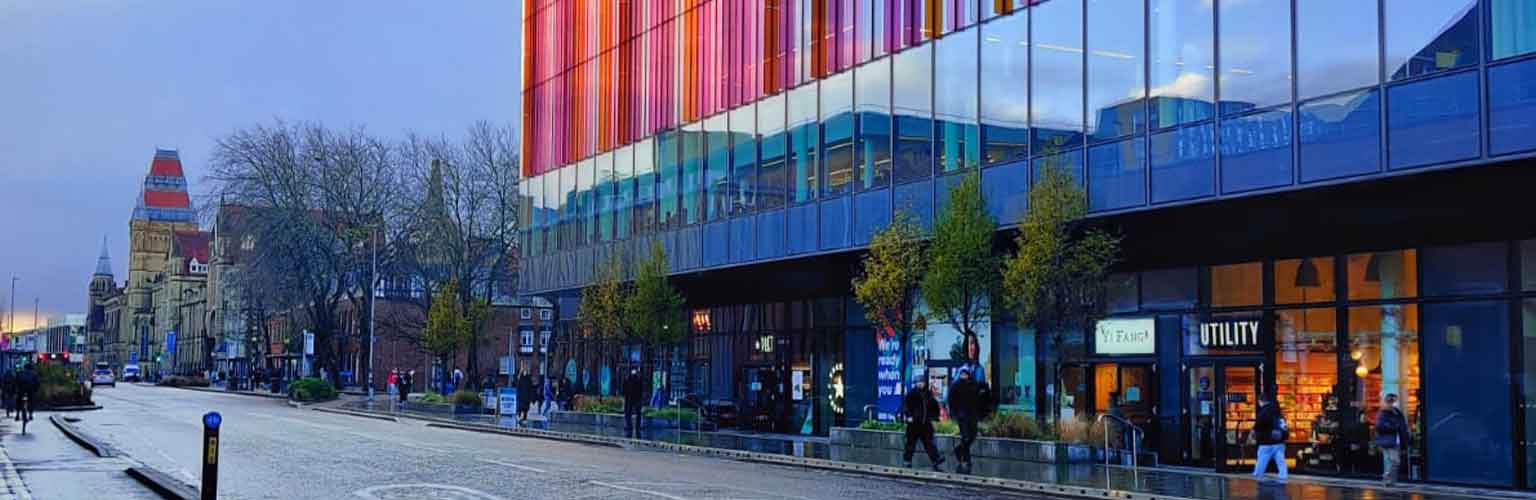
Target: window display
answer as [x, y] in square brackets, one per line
[1236, 284]
[1306, 370]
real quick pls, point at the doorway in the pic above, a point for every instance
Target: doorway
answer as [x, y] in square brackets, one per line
[1220, 406]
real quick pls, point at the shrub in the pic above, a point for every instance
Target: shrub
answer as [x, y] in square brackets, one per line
[876, 425]
[1080, 431]
[182, 381]
[311, 389]
[946, 427]
[467, 398]
[1013, 425]
[687, 414]
[430, 397]
[598, 404]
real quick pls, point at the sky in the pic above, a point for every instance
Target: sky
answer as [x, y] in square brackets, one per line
[89, 89]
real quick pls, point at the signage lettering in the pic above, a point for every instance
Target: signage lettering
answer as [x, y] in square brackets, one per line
[1243, 334]
[1125, 336]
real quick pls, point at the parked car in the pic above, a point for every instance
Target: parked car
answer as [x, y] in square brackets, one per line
[131, 373]
[103, 377]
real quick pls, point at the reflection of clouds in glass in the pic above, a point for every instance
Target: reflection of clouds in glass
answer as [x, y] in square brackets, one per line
[1337, 108]
[1186, 85]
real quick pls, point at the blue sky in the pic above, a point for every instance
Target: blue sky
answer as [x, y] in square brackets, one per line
[91, 88]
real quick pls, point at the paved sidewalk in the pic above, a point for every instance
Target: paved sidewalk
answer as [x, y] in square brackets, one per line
[11, 485]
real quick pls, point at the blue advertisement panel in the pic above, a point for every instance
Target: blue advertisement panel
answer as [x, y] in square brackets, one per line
[888, 376]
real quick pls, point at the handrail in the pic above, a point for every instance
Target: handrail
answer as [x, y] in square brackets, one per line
[1136, 434]
[869, 411]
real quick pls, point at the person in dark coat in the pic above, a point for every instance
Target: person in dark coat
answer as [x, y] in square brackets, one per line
[1392, 436]
[966, 407]
[920, 410]
[8, 391]
[525, 395]
[634, 396]
[1269, 430]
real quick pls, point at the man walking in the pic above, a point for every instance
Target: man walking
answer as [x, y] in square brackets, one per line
[966, 407]
[1270, 432]
[921, 410]
[634, 397]
[525, 396]
[1392, 435]
[548, 390]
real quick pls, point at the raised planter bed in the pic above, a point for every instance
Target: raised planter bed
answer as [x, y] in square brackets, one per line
[612, 421]
[443, 408]
[852, 441]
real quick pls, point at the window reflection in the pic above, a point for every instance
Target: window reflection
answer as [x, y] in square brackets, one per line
[1512, 28]
[1340, 136]
[567, 206]
[1255, 55]
[1117, 175]
[959, 144]
[1183, 163]
[1183, 61]
[717, 154]
[624, 195]
[1056, 81]
[771, 172]
[692, 179]
[873, 106]
[1256, 151]
[912, 100]
[1528, 265]
[803, 142]
[604, 190]
[1335, 46]
[645, 186]
[837, 134]
[1004, 88]
[743, 124]
[1427, 36]
[669, 166]
[1433, 121]
[1116, 84]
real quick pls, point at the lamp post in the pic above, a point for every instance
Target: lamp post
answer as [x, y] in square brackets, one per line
[373, 300]
[10, 323]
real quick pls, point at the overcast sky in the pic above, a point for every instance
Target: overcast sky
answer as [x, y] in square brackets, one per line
[89, 89]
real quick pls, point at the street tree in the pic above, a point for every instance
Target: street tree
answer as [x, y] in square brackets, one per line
[962, 272]
[888, 279]
[653, 310]
[450, 327]
[600, 316]
[1055, 280]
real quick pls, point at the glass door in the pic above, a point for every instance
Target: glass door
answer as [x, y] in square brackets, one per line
[1240, 404]
[1221, 399]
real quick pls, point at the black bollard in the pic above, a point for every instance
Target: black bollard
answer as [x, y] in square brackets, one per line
[211, 421]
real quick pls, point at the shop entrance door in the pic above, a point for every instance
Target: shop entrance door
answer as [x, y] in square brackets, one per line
[1220, 405]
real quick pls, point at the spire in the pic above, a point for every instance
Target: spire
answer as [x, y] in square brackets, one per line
[163, 196]
[104, 262]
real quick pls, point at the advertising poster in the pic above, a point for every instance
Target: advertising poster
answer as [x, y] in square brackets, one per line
[887, 375]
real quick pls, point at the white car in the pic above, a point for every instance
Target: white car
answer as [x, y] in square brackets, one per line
[103, 377]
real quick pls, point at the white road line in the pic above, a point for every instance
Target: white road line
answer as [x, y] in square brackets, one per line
[515, 466]
[638, 490]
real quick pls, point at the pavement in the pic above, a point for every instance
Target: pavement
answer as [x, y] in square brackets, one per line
[272, 451]
[45, 464]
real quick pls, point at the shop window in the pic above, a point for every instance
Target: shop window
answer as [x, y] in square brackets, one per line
[1528, 383]
[1169, 289]
[1465, 269]
[1306, 371]
[1528, 265]
[1384, 358]
[1016, 368]
[1121, 293]
[1466, 366]
[1075, 400]
[1301, 281]
[1383, 275]
[1236, 284]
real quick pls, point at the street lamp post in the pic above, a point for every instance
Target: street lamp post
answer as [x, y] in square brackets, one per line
[373, 300]
[10, 323]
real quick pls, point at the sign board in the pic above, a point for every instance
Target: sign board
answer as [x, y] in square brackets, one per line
[797, 381]
[507, 401]
[488, 398]
[1230, 333]
[1125, 336]
[309, 343]
[888, 376]
[170, 341]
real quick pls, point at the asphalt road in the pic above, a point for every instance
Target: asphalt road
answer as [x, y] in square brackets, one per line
[273, 451]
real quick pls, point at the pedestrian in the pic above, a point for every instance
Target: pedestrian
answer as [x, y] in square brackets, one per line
[634, 396]
[458, 379]
[1270, 431]
[1392, 436]
[549, 395]
[406, 380]
[525, 395]
[27, 385]
[394, 383]
[8, 391]
[966, 407]
[920, 411]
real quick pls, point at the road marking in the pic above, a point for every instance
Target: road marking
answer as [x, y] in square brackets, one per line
[515, 466]
[373, 492]
[638, 490]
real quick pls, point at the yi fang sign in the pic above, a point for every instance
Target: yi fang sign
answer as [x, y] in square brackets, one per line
[1125, 336]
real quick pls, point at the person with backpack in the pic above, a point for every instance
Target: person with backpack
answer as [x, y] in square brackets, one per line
[27, 385]
[1269, 431]
[8, 391]
[1392, 436]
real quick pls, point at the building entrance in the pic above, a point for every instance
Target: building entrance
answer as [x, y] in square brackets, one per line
[1221, 402]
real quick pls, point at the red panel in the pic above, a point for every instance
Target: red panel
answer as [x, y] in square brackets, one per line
[165, 167]
[167, 199]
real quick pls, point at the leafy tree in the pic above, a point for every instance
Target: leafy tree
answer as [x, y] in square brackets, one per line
[1056, 279]
[962, 271]
[600, 315]
[653, 310]
[448, 328]
[887, 282]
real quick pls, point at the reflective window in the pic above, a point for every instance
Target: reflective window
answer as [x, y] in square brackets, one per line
[913, 102]
[1169, 289]
[1117, 175]
[692, 179]
[1070, 162]
[1466, 269]
[1183, 61]
[1511, 28]
[1306, 371]
[1116, 70]
[1340, 136]
[1255, 55]
[803, 143]
[1056, 82]
[1299, 281]
[552, 211]
[916, 199]
[1004, 89]
[1528, 380]
[669, 166]
[1184, 163]
[1335, 46]
[567, 205]
[1384, 359]
[1465, 354]
[1383, 275]
[717, 167]
[958, 15]
[1235, 284]
[624, 175]
[959, 135]
[1426, 36]
[837, 134]
[1512, 107]
[872, 154]
[1121, 293]
[1255, 151]
[645, 186]
[772, 179]
[1528, 267]
[880, 17]
[1006, 189]
[743, 159]
[994, 8]
[1433, 121]
[605, 190]
[540, 210]
[581, 213]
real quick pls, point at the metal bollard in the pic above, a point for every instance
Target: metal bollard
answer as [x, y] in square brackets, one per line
[211, 421]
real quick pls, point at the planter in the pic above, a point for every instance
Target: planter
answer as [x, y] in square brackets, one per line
[468, 409]
[429, 408]
[613, 421]
[1001, 449]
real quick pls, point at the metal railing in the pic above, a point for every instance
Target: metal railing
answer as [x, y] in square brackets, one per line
[1136, 435]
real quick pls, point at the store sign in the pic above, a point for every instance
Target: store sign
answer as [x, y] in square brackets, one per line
[1125, 336]
[1230, 333]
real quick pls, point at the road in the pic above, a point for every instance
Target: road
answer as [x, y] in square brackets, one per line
[272, 451]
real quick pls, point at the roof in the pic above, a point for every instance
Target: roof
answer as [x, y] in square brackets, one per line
[189, 246]
[163, 197]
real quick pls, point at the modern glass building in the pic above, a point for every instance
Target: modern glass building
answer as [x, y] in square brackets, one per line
[1328, 197]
